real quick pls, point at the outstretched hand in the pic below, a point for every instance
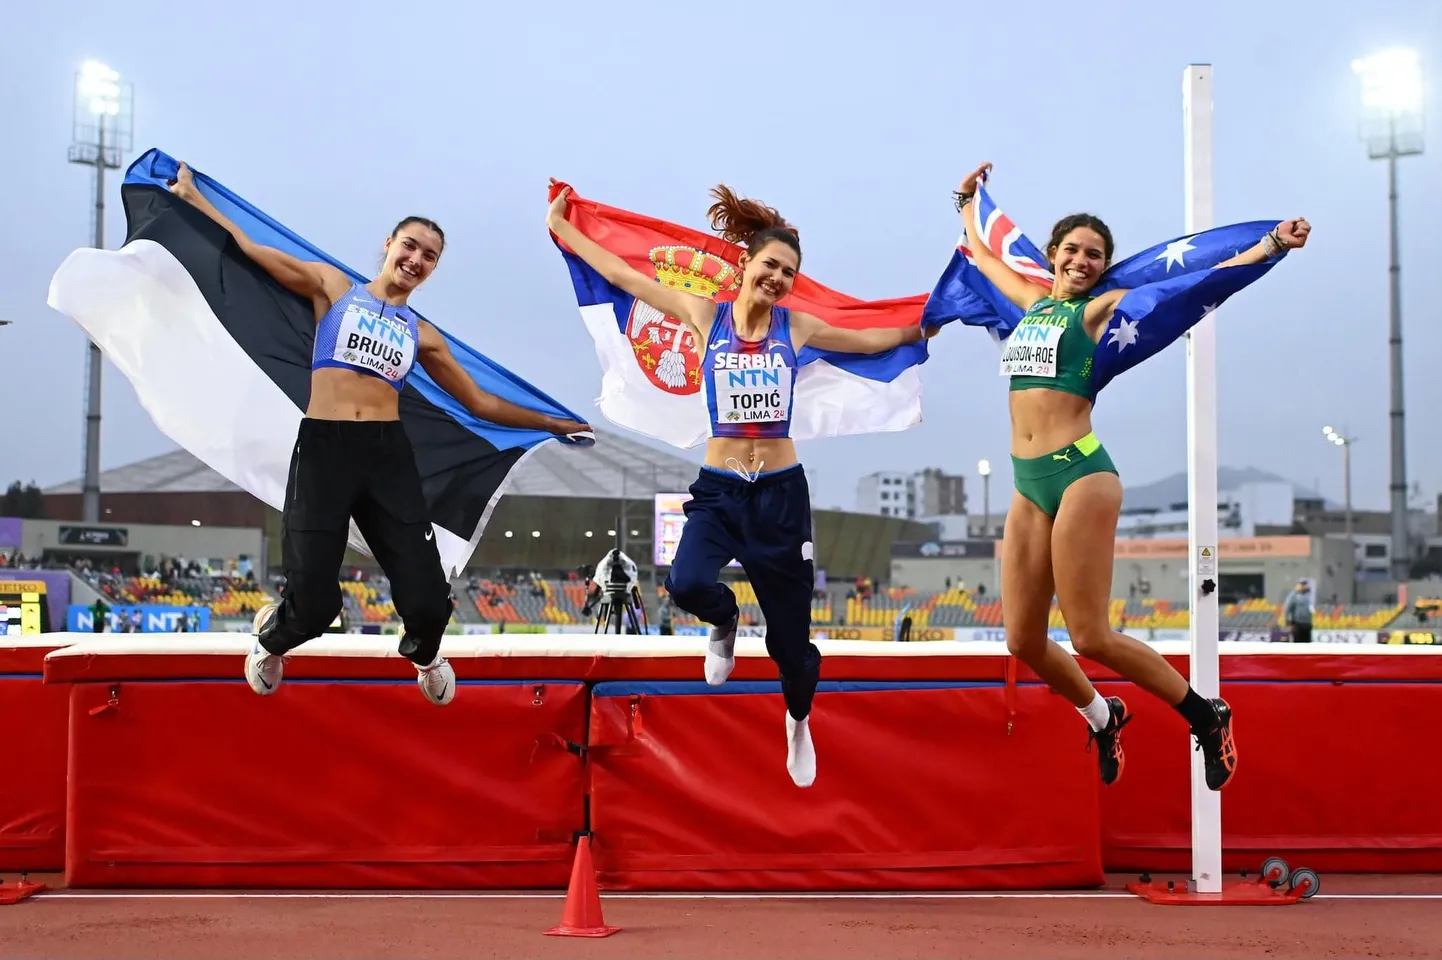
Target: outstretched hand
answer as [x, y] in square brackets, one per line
[1293, 233]
[556, 213]
[968, 182]
[183, 186]
[565, 428]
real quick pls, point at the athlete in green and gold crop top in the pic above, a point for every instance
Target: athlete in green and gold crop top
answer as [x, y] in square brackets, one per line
[1060, 534]
[1050, 349]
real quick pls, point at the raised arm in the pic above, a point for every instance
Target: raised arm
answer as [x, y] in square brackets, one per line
[314, 281]
[696, 312]
[807, 330]
[451, 377]
[1012, 285]
[1287, 235]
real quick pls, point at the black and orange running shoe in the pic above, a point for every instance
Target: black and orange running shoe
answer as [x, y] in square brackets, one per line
[1110, 757]
[1219, 750]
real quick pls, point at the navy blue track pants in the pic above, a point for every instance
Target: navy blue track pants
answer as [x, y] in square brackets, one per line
[766, 525]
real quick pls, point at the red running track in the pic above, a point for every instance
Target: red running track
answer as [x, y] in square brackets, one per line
[1353, 916]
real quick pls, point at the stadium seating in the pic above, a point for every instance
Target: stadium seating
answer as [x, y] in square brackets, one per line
[374, 606]
[1355, 616]
[225, 596]
[529, 598]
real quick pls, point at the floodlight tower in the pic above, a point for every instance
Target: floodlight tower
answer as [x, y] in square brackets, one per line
[1392, 127]
[102, 127]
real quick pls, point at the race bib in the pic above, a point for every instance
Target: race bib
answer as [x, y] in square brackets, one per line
[756, 394]
[1031, 350]
[380, 344]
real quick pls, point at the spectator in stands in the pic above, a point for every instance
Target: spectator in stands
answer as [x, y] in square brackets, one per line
[1297, 611]
[903, 624]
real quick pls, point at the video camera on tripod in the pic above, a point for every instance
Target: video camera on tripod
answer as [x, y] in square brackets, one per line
[617, 589]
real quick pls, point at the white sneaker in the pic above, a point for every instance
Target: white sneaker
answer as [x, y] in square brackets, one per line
[721, 653]
[437, 681]
[263, 669]
[800, 753]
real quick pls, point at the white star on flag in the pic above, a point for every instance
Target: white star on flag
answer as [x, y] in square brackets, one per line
[1208, 310]
[1124, 335]
[1176, 251]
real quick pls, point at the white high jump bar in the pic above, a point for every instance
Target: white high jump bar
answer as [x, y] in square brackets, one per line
[1202, 477]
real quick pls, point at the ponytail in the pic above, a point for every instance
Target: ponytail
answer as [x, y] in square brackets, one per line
[749, 223]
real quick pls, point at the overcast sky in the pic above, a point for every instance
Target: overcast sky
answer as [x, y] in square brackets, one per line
[340, 118]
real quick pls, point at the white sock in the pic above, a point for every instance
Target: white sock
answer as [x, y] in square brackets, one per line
[1098, 713]
[800, 752]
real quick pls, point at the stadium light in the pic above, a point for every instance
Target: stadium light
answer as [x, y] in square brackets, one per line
[1345, 442]
[102, 86]
[984, 468]
[1391, 100]
[1391, 82]
[535, 533]
[508, 534]
[588, 534]
[101, 125]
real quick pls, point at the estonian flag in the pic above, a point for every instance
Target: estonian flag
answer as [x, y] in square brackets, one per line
[651, 366]
[1171, 286]
[219, 355]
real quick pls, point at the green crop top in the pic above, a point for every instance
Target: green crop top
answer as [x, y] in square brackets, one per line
[1049, 349]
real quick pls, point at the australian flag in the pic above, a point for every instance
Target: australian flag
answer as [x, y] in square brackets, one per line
[1171, 286]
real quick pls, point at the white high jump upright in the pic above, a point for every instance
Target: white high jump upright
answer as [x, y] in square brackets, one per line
[1202, 478]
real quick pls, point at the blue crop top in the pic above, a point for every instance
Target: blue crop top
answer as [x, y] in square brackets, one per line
[749, 383]
[363, 333]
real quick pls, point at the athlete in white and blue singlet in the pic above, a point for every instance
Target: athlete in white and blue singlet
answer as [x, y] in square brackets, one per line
[352, 458]
[751, 501]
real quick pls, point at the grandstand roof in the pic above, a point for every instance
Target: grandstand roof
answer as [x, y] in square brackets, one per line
[551, 471]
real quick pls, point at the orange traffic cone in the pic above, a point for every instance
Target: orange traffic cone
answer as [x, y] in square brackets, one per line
[582, 914]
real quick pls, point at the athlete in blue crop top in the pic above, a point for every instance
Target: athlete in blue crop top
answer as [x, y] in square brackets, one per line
[751, 501]
[353, 460]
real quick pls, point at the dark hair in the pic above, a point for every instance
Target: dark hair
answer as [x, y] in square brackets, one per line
[1066, 225]
[749, 223]
[428, 224]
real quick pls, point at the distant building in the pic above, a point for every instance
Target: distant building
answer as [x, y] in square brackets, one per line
[921, 495]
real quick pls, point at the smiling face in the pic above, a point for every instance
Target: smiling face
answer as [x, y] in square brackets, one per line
[412, 252]
[1080, 251]
[1079, 261]
[768, 274]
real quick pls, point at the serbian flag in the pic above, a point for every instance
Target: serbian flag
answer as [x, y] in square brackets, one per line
[1172, 286]
[651, 378]
[219, 355]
